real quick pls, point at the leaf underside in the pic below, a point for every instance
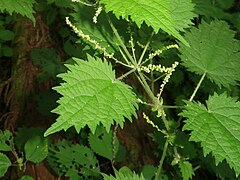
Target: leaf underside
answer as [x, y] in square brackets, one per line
[171, 16]
[217, 127]
[23, 7]
[213, 50]
[92, 95]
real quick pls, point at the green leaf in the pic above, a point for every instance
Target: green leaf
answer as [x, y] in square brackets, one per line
[148, 171]
[209, 9]
[171, 16]
[4, 164]
[92, 95]
[23, 7]
[73, 160]
[217, 127]
[26, 178]
[102, 142]
[6, 35]
[122, 175]
[100, 31]
[24, 134]
[49, 61]
[213, 50]
[36, 149]
[6, 141]
[186, 170]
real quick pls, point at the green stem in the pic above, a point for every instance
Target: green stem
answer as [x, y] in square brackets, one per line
[119, 62]
[145, 49]
[198, 85]
[121, 42]
[123, 55]
[172, 107]
[161, 161]
[155, 80]
[126, 74]
[148, 90]
[194, 93]
[164, 119]
[152, 80]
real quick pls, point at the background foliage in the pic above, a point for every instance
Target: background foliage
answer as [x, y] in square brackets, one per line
[138, 97]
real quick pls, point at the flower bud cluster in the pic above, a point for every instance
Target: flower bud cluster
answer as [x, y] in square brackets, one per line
[167, 77]
[160, 51]
[80, 33]
[150, 122]
[99, 10]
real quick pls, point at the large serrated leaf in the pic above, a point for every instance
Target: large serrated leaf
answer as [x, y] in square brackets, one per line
[209, 9]
[23, 7]
[92, 95]
[73, 160]
[4, 164]
[217, 127]
[171, 16]
[213, 50]
[124, 174]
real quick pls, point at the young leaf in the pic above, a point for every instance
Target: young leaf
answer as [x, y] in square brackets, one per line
[24, 134]
[102, 142]
[6, 141]
[171, 16]
[186, 170]
[92, 95]
[122, 174]
[23, 7]
[36, 149]
[213, 50]
[4, 164]
[73, 160]
[26, 178]
[217, 127]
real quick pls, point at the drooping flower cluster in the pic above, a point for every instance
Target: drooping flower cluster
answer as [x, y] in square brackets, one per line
[80, 33]
[167, 77]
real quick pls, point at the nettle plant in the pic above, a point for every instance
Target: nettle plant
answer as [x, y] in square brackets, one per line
[135, 35]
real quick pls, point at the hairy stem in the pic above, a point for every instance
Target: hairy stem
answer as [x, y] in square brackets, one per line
[161, 161]
[126, 74]
[198, 86]
[148, 90]
[121, 42]
[145, 49]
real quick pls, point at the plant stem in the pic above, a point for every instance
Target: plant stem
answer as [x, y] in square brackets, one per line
[152, 79]
[123, 55]
[171, 107]
[145, 49]
[161, 161]
[198, 85]
[194, 93]
[119, 62]
[148, 90]
[121, 42]
[126, 74]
